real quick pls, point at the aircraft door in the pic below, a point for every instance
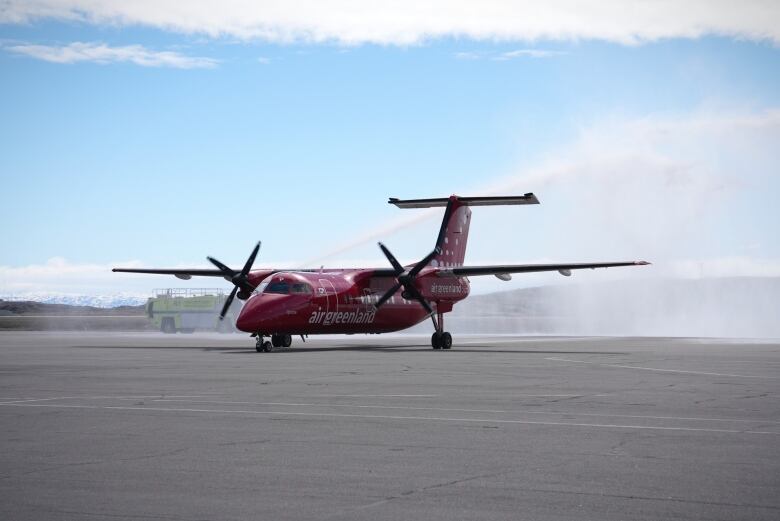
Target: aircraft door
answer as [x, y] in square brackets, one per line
[327, 295]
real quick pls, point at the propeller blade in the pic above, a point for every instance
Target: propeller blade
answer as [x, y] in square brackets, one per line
[396, 265]
[423, 263]
[228, 301]
[389, 293]
[250, 260]
[227, 271]
[419, 298]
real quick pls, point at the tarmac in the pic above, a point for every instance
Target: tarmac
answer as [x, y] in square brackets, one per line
[148, 426]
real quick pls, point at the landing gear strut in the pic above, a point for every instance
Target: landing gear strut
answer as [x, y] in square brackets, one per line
[440, 339]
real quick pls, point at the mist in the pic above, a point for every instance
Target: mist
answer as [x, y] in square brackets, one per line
[739, 307]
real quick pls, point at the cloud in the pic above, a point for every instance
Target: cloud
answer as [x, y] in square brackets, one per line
[101, 53]
[468, 55]
[406, 22]
[509, 55]
[59, 276]
[526, 53]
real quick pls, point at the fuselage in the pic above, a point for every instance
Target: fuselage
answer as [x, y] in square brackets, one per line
[341, 302]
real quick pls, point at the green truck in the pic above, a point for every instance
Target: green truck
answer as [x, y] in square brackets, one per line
[181, 310]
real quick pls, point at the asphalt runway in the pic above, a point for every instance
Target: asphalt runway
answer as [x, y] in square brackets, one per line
[148, 426]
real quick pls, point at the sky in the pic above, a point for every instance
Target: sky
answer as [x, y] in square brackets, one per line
[154, 133]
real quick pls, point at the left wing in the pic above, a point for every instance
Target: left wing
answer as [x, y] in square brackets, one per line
[467, 271]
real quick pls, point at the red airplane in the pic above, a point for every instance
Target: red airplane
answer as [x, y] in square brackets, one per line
[282, 303]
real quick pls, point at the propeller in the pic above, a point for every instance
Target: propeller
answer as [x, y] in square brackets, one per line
[405, 279]
[239, 280]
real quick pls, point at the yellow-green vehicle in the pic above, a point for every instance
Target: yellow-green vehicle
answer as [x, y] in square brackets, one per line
[185, 310]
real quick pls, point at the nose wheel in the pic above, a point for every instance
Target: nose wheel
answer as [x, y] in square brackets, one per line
[440, 339]
[263, 346]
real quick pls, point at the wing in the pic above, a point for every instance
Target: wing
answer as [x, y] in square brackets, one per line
[467, 271]
[181, 274]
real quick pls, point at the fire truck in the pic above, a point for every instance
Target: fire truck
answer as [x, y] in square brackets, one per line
[182, 310]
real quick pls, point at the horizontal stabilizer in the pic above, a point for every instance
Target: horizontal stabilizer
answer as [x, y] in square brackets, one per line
[528, 198]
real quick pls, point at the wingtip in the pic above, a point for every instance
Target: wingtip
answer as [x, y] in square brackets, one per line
[642, 263]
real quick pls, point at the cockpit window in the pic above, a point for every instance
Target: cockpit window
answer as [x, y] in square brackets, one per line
[280, 287]
[302, 288]
[283, 287]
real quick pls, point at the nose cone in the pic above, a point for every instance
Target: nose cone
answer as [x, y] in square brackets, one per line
[261, 312]
[248, 319]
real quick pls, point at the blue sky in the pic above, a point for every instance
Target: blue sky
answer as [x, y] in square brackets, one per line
[157, 145]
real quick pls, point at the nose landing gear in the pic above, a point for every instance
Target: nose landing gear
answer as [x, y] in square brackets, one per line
[262, 346]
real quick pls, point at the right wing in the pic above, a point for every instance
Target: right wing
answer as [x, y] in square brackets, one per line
[467, 271]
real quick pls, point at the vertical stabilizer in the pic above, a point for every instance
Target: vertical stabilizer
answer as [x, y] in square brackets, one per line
[453, 235]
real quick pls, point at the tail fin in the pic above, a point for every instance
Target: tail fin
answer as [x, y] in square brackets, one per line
[454, 231]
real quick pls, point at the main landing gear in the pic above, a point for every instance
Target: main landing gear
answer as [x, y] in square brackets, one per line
[281, 340]
[276, 341]
[440, 339]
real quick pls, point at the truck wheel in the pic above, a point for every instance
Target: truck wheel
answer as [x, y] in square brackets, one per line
[168, 326]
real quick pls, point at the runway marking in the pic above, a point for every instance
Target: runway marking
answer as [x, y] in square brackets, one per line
[554, 359]
[382, 395]
[387, 417]
[10, 401]
[497, 411]
[437, 395]
[33, 400]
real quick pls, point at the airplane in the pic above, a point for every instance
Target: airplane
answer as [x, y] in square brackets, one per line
[281, 303]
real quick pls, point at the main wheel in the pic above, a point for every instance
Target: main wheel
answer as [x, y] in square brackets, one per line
[259, 344]
[276, 340]
[286, 340]
[436, 341]
[445, 341]
[267, 346]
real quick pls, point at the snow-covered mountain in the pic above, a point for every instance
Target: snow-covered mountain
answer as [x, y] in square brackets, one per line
[98, 301]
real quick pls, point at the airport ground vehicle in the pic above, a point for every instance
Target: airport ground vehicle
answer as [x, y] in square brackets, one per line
[184, 310]
[283, 302]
